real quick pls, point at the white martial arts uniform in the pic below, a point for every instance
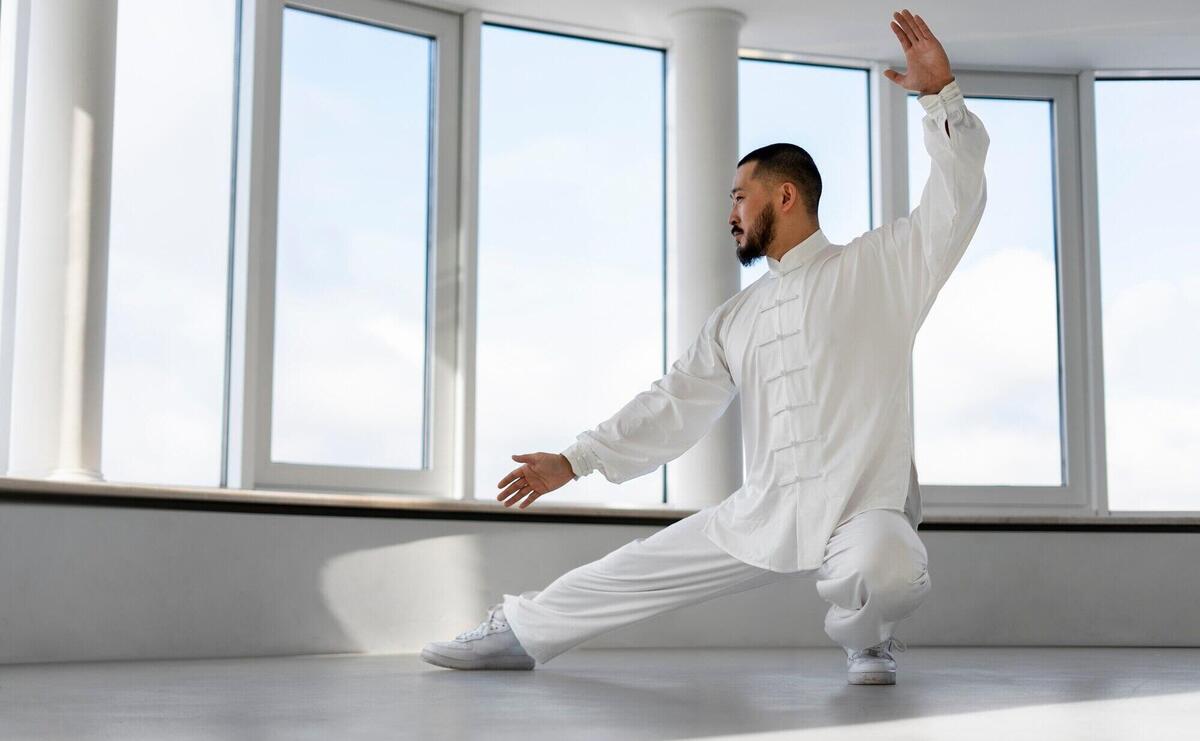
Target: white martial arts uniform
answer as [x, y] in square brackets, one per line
[820, 348]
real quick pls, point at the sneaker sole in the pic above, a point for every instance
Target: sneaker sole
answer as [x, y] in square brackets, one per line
[496, 662]
[872, 678]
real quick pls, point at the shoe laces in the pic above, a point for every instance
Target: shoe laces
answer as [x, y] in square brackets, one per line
[882, 650]
[490, 624]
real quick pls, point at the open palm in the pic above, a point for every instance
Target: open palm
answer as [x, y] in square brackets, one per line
[928, 66]
[541, 474]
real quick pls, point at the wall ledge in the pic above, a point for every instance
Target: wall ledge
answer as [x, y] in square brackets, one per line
[335, 504]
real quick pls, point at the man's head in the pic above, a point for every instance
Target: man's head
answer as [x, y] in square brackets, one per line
[776, 190]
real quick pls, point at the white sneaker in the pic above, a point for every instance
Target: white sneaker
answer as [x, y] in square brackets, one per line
[491, 645]
[873, 665]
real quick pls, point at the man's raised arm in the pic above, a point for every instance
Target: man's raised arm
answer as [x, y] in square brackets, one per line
[661, 423]
[930, 241]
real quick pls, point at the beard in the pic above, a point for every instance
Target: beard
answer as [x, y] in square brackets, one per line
[759, 238]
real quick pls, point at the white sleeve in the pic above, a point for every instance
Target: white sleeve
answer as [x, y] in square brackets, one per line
[917, 253]
[661, 423]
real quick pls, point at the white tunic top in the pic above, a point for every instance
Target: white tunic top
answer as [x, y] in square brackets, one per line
[820, 348]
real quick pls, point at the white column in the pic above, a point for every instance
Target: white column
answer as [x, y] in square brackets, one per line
[702, 265]
[62, 271]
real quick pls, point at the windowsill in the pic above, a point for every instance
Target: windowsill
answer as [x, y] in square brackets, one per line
[301, 502]
[384, 505]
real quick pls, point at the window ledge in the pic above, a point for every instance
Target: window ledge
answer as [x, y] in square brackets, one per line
[267, 501]
[103, 493]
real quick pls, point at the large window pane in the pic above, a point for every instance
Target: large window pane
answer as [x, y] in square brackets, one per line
[349, 363]
[826, 111]
[986, 360]
[169, 242]
[1148, 154]
[570, 316]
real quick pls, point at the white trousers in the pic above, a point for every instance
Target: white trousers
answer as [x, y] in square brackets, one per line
[873, 575]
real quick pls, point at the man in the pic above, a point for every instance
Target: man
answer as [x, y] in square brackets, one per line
[820, 349]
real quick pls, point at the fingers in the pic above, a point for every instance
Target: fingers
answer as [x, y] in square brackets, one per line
[912, 25]
[530, 500]
[905, 44]
[512, 488]
[894, 76]
[924, 29]
[524, 491]
[513, 475]
[515, 492]
[902, 22]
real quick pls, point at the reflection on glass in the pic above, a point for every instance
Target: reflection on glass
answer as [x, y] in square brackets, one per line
[826, 111]
[349, 363]
[164, 364]
[986, 361]
[1148, 154]
[570, 314]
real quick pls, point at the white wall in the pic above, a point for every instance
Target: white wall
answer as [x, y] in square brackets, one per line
[88, 583]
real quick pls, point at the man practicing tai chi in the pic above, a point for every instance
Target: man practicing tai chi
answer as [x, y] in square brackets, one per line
[820, 349]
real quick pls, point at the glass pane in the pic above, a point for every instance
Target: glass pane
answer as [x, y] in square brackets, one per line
[349, 378]
[570, 319]
[826, 111]
[1148, 154]
[164, 365]
[986, 361]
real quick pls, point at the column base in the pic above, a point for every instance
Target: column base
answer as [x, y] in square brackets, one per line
[74, 474]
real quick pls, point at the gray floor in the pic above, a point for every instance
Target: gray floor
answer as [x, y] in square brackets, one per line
[951, 693]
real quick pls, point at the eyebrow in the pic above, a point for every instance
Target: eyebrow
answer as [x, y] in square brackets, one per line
[735, 190]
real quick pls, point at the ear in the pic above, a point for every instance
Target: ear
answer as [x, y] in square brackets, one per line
[790, 197]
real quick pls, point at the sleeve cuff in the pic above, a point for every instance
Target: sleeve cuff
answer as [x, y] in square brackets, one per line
[948, 97]
[581, 459]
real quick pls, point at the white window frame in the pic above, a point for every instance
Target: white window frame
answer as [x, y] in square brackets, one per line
[1091, 204]
[14, 59]
[473, 22]
[452, 283]
[255, 256]
[1079, 494]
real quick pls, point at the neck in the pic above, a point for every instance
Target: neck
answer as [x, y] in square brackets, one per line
[789, 238]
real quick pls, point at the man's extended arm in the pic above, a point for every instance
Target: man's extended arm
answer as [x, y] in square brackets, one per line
[939, 229]
[660, 424]
[910, 259]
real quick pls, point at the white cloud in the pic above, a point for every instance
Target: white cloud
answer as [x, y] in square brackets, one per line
[985, 368]
[1152, 394]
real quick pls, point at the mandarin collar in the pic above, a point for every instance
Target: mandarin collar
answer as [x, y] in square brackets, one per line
[798, 254]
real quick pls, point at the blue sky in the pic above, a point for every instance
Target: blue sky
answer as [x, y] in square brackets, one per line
[570, 256]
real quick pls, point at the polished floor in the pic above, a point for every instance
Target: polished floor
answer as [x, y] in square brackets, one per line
[943, 693]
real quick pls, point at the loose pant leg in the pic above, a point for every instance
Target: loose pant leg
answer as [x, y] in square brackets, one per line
[874, 574]
[674, 567]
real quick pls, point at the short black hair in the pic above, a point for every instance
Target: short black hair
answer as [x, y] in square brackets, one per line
[789, 163]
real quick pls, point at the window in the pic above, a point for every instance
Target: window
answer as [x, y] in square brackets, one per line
[168, 260]
[1148, 152]
[985, 362]
[350, 343]
[571, 248]
[998, 362]
[825, 110]
[355, 380]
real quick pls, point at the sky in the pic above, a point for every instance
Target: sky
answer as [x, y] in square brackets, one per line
[570, 257]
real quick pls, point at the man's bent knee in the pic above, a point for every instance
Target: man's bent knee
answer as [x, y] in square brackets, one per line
[897, 591]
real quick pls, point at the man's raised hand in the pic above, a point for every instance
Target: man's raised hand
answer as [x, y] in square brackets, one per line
[928, 66]
[541, 474]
